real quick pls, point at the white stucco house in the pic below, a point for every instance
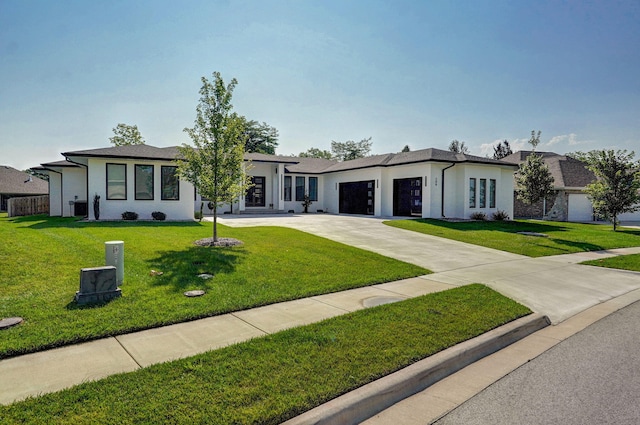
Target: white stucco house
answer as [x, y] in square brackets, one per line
[428, 183]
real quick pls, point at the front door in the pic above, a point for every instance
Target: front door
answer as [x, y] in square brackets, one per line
[255, 194]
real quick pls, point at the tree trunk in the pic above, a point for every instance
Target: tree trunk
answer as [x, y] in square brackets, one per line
[215, 223]
[615, 222]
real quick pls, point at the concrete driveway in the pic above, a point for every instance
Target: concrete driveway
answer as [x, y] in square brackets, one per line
[555, 286]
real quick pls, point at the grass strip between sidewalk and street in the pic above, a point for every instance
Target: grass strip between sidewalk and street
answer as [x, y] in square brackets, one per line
[623, 262]
[270, 379]
[553, 238]
[41, 258]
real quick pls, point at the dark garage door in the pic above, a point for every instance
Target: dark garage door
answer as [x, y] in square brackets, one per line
[357, 197]
[407, 197]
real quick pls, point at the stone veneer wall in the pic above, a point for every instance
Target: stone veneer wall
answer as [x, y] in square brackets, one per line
[522, 210]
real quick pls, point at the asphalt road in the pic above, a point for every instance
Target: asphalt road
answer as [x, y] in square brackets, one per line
[592, 377]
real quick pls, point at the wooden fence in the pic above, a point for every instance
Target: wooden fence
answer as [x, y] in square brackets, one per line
[28, 205]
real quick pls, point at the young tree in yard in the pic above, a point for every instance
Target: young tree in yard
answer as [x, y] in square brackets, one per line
[345, 151]
[316, 153]
[502, 150]
[617, 188]
[125, 135]
[458, 147]
[533, 179]
[216, 165]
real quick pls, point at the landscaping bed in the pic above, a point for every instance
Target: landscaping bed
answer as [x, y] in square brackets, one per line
[270, 379]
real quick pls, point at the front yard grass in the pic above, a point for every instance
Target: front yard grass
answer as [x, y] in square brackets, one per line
[41, 258]
[563, 237]
[271, 379]
[623, 262]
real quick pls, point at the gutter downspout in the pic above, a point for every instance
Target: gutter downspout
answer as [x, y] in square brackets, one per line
[86, 177]
[442, 189]
[61, 191]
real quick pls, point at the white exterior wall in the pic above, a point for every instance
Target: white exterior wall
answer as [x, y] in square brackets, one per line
[390, 174]
[296, 206]
[111, 209]
[487, 172]
[634, 216]
[55, 194]
[332, 187]
[74, 184]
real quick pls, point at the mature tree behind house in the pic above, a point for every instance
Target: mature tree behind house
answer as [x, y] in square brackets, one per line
[617, 188]
[406, 148]
[534, 181]
[316, 153]
[261, 138]
[125, 135]
[502, 150]
[458, 147]
[216, 165]
[345, 151]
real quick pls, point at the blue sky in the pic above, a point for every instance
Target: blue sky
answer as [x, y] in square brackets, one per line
[417, 73]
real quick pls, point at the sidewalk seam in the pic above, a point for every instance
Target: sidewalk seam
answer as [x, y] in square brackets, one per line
[127, 351]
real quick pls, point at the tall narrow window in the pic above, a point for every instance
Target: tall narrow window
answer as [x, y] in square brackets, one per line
[299, 188]
[255, 194]
[287, 188]
[483, 193]
[144, 182]
[169, 183]
[313, 188]
[492, 193]
[472, 193]
[116, 181]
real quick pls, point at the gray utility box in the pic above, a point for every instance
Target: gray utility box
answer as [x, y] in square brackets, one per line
[97, 284]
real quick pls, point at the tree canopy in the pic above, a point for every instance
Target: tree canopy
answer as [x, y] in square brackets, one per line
[345, 151]
[406, 148]
[125, 135]
[458, 147]
[316, 153]
[261, 137]
[216, 165]
[534, 181]
[617, 188]
[502, 150]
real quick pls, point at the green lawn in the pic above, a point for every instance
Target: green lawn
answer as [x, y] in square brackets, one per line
[270, 379]
[41, 258]
[563, 237]
[623, 262]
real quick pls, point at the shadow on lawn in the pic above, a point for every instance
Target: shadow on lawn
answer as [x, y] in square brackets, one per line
[45, 222]
[500, 226]
[181, 268]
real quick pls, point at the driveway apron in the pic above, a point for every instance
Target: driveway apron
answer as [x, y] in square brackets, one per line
[554, 286]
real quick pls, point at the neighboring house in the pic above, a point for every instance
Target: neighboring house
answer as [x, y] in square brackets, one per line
[426, 183]
[570, 179]
[16, 184]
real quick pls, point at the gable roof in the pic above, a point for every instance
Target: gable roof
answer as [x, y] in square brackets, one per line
[16, 182]
[566, 171]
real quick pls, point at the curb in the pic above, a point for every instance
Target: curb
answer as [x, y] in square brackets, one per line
[370, 399]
